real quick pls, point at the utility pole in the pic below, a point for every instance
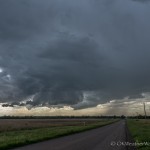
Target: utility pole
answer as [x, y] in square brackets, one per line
[144, 109]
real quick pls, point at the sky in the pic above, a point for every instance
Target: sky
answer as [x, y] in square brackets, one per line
[73, 57]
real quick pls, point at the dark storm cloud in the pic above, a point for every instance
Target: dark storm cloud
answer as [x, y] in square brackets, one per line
[142, 1]
[78, 53]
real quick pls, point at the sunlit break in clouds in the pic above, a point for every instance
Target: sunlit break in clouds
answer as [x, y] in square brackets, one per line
[72, 56]
[1, 70]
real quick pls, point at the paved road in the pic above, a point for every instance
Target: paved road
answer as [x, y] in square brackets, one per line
[105, 138]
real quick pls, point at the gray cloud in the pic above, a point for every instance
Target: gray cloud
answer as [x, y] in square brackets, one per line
[142, 1]
[72, 52]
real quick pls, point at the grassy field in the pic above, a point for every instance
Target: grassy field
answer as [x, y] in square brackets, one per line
[15, 133]
[23, 124]
[140, 131]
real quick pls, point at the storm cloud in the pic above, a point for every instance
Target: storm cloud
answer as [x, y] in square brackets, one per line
[77, 53]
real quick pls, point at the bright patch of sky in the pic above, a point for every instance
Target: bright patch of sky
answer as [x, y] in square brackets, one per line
[1, 70]
[113, 107]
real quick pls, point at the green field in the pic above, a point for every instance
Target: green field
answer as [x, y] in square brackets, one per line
[140, 131]
[13, 137]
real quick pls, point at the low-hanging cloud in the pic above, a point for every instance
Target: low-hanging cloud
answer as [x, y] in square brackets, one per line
[72, 52]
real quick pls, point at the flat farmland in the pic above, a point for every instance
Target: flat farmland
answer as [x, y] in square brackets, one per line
[17, 132]
[20, 124]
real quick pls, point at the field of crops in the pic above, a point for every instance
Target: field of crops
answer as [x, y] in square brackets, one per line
[17, 132]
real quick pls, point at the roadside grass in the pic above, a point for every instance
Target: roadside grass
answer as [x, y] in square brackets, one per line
[140, 131]
[12, 139]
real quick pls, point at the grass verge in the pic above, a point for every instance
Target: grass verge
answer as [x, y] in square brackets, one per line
[13, 139]
[140, 131]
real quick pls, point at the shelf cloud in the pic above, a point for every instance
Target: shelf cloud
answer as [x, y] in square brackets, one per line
[76, 53]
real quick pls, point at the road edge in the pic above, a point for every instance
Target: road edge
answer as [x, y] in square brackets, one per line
[129, 138]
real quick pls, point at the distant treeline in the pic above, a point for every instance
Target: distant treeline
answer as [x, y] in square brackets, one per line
[74, 117]
[139, 117]
[61, 117]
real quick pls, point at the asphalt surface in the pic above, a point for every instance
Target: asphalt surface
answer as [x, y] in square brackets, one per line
[110, 137]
